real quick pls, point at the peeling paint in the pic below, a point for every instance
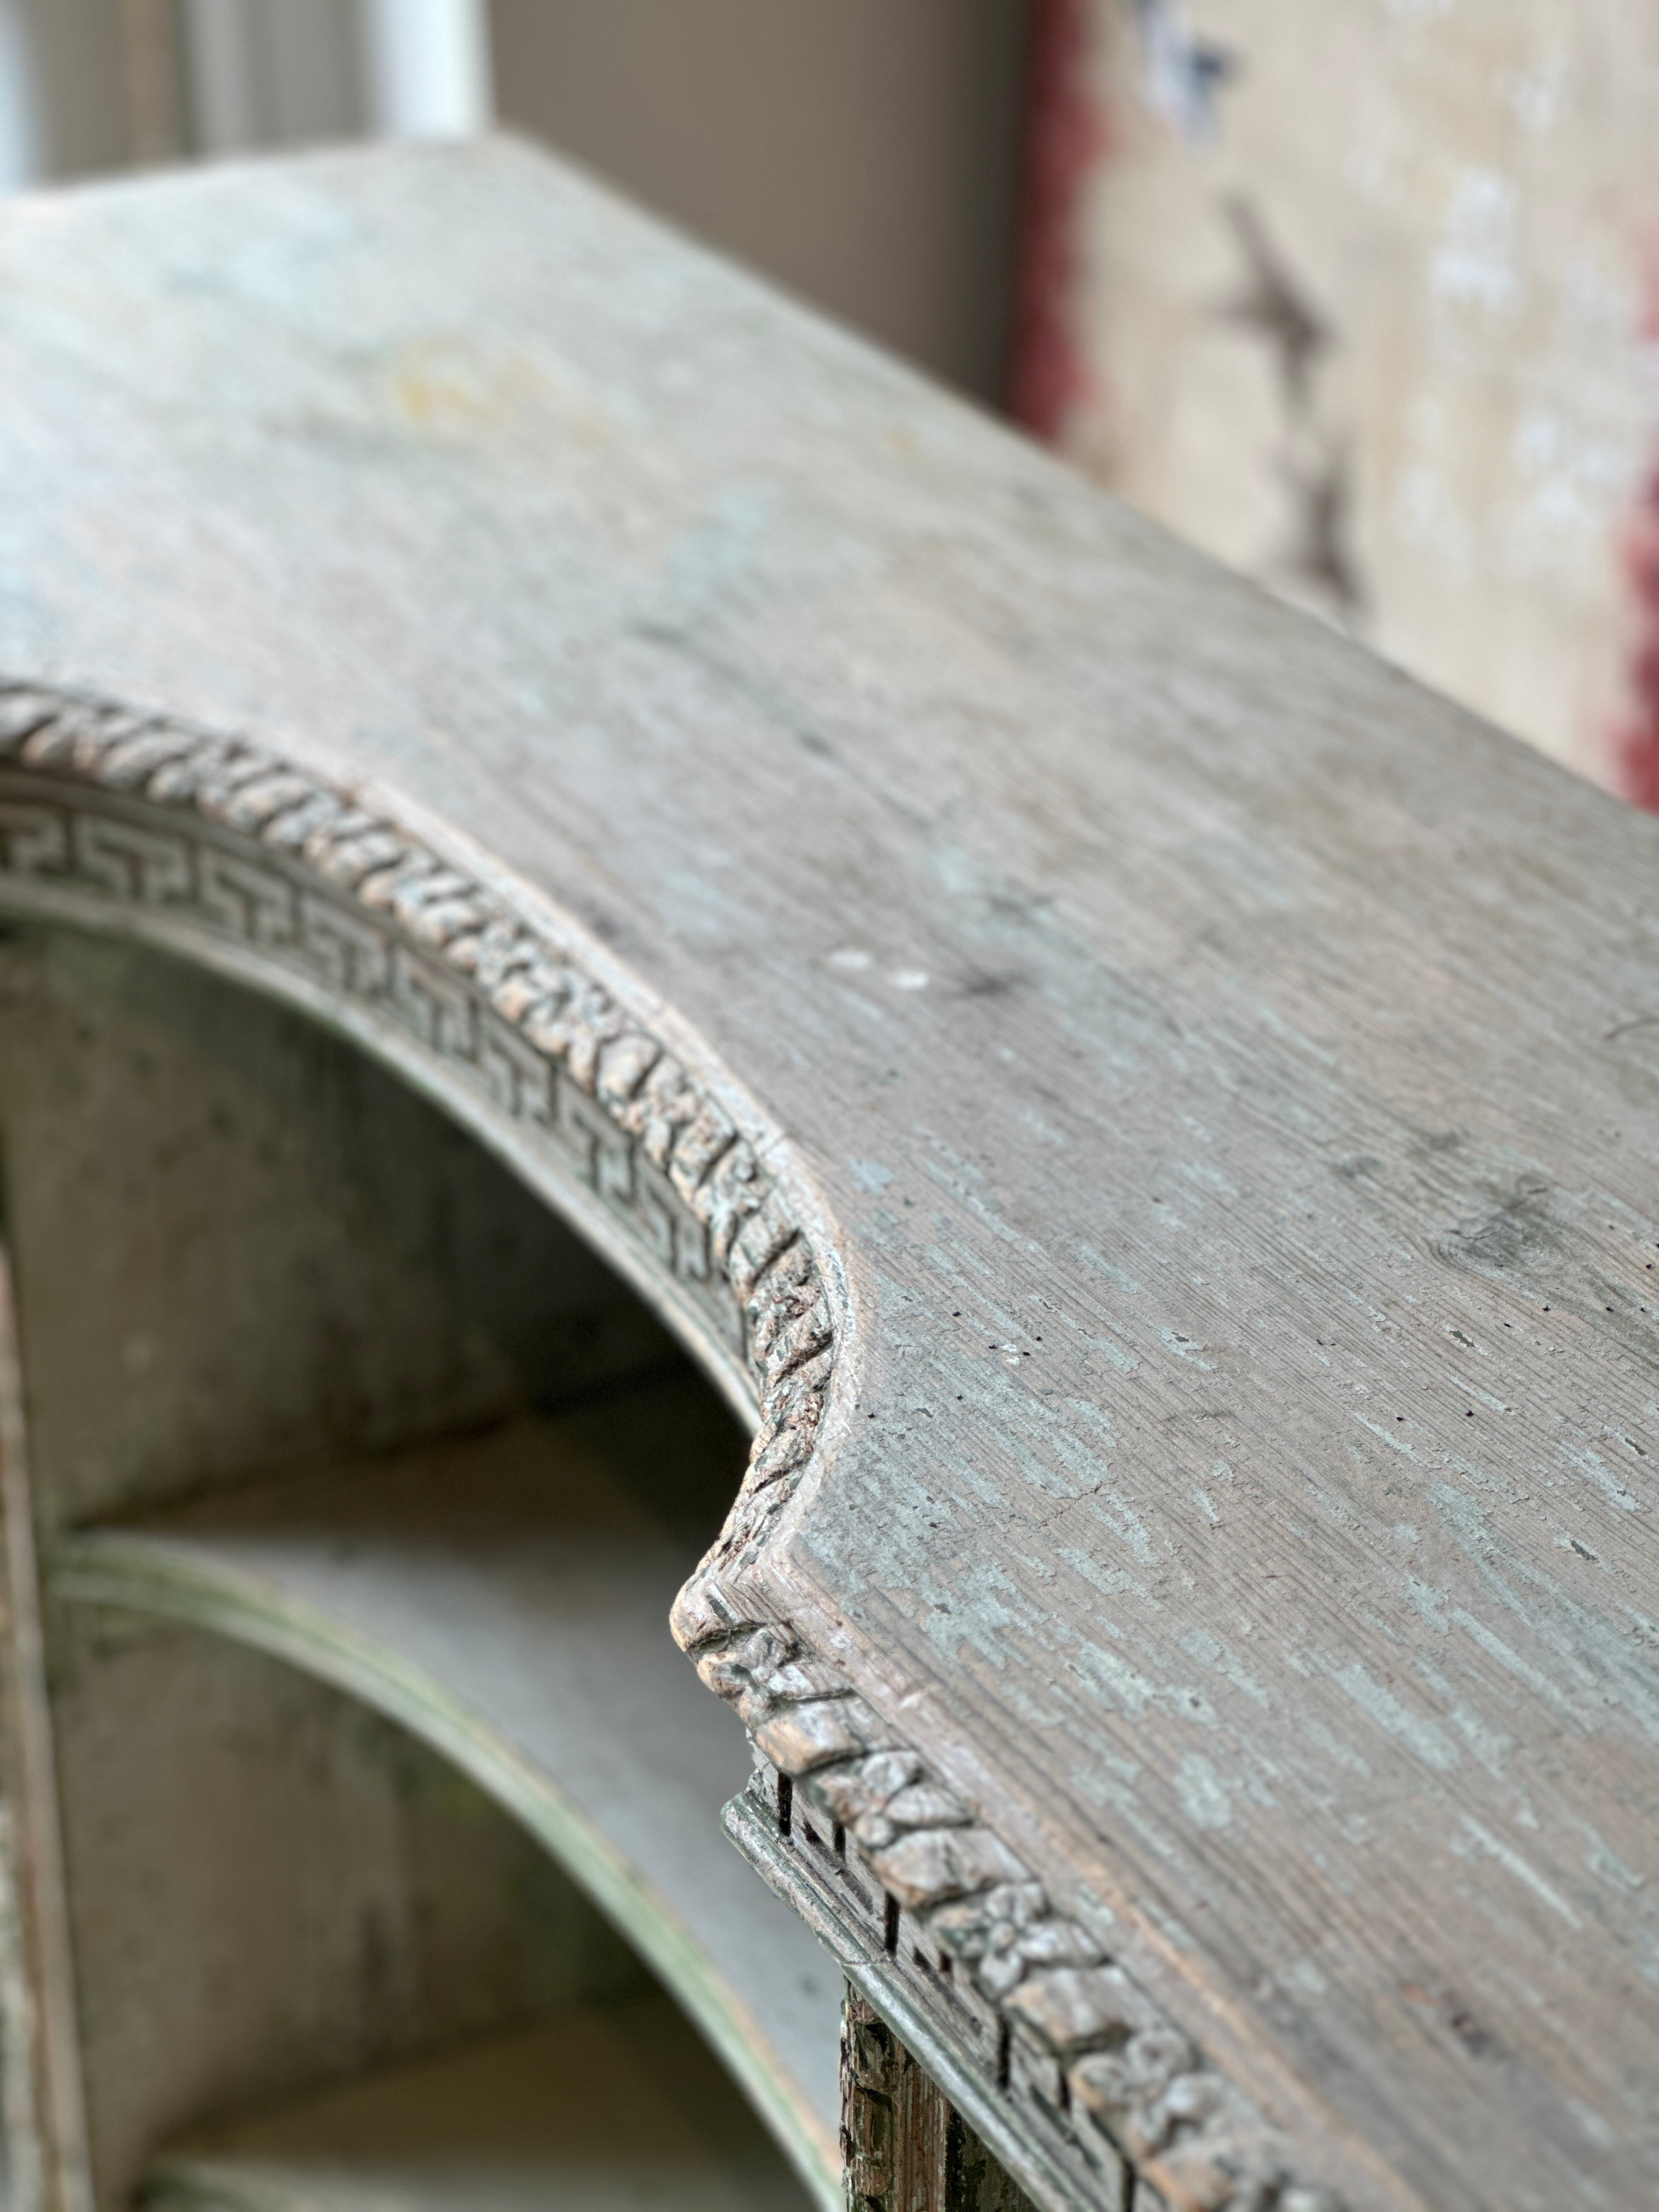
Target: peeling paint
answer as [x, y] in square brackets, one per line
[1203, 1800]
[1478, 1841]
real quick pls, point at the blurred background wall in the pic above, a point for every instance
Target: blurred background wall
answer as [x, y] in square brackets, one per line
[863, 153]
[1360, 295]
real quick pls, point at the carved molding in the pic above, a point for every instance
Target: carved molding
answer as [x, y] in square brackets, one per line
[1080, 2045]
[147, 825]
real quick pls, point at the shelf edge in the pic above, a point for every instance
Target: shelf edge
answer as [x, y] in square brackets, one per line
[136, 1574]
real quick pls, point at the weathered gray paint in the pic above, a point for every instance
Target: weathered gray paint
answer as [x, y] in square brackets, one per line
[504, 1596]
[300, 1264]
[1228, 1071]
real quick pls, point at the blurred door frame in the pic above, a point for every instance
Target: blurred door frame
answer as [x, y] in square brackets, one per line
[20, 134]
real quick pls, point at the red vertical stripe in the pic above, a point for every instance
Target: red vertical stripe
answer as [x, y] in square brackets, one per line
[1063, 140]
[1636, 763]
[1638, 741]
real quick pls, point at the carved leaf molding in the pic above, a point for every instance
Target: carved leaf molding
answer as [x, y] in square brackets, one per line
[213, 835]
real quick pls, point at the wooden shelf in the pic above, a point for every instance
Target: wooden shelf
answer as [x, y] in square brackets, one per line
[608, 2106]
[505, 1597]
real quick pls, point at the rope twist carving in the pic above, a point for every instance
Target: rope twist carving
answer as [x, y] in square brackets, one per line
[245, 844]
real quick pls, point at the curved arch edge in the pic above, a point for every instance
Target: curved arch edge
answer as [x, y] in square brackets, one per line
[223, 850]
[106, 1568]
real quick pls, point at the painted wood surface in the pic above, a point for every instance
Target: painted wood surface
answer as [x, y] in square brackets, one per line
[1213, 1076]
[505, 1598]
[271, 1887]
[608, 2108]
[274, 1890]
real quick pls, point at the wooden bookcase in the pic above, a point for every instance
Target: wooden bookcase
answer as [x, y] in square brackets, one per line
[388, 1861]
[581, 850]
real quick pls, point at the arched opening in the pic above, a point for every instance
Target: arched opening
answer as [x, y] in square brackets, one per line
[361, 1487]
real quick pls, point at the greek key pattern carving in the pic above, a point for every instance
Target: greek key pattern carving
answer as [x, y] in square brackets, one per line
[144, 816]
[137, 815]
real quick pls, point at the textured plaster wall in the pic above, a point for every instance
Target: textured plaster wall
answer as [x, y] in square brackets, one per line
[1363, 298]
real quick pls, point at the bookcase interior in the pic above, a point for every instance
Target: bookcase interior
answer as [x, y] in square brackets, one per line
[389, 1864]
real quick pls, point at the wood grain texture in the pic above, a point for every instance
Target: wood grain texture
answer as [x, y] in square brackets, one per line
[1226, 1074]
[129, 821]
[893, 2121]
[904, 2147]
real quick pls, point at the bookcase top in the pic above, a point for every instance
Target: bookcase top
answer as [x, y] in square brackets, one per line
[1173, 1104]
